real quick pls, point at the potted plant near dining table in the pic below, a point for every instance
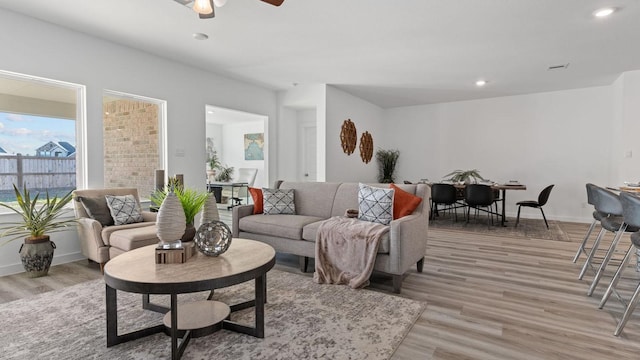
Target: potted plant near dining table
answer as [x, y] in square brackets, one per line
[37, 219]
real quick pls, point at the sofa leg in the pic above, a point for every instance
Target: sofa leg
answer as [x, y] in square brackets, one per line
[420, 265]
[397, 283]
[304, 263]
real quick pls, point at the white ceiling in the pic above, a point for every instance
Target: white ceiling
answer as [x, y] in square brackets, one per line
[389, 52]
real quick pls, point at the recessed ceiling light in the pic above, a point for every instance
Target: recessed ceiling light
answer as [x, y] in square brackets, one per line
[604, 12]
[481, 82]
[200, 36]
[210, 112]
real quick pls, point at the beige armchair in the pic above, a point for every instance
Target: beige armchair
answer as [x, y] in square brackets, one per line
[100, 240]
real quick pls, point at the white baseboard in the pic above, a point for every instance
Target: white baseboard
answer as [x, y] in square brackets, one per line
[57, 259]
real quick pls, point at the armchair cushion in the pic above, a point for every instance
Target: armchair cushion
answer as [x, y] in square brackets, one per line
[124, 209]
[97, 209]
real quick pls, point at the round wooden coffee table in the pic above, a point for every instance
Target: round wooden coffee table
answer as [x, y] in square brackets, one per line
[136, 271]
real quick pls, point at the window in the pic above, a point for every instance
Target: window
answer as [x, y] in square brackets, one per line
[133, 141]
[40, 120]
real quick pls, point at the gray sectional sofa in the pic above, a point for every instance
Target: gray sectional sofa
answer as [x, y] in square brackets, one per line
[403, 246]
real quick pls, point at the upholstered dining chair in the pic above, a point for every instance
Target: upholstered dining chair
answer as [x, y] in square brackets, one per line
[543, 197]
[479, 196]
[631, 215]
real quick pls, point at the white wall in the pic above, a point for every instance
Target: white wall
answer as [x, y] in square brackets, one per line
[624, 135]
[41, 49]
[367, 117]
[233, 148]
[559, 138]
[290, 103]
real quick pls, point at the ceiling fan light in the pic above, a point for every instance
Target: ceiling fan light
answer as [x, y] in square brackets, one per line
[219, 3]
[203, 7]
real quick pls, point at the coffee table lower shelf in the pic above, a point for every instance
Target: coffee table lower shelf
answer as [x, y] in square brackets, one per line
[201, 318]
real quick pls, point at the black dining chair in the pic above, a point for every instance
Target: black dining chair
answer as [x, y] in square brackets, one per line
[479, 196]
[444, 194]
[542, 200]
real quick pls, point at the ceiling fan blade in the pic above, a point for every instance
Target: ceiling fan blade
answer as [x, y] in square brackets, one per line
[274, 2]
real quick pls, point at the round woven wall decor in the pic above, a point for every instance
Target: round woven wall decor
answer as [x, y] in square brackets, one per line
[348, 137]
[366, 147]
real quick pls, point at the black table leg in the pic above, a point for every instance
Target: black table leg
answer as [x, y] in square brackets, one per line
[258, 304]
[112, 316]
[112, 322]
[504, 200]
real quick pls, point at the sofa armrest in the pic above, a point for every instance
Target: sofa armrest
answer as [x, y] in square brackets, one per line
[407, 241]
[149, 216]
[238, 213]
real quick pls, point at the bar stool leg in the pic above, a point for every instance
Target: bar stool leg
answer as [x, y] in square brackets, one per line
[592, 253]
[581, 249]
[615, 279]
[628, 311]
[607, 258]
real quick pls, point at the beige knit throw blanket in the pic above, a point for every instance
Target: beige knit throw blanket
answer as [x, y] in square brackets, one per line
[346, 251]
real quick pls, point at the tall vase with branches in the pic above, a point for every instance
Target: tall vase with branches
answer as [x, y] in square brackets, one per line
[387, 161]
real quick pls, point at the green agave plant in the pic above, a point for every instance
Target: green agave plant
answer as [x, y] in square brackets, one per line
[192, 200]
[464, 175]
[38, 219]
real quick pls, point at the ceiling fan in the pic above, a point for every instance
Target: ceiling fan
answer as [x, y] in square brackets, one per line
[205, 8]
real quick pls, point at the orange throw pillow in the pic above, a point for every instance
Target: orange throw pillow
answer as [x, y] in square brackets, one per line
[404, 203]
[256, 195]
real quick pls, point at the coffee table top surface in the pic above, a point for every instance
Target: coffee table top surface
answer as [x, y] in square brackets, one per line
[136, 270]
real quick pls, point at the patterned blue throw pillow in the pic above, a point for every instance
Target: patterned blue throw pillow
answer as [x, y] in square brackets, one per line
[375, 204]
[278, 201]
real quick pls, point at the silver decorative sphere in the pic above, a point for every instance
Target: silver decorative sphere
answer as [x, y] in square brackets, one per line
[213, 238]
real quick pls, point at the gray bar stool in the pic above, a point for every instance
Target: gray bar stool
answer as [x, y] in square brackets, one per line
[614, 223]
[631, 213]
[597, 216]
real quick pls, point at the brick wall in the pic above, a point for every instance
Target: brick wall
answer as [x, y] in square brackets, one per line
[131, 153]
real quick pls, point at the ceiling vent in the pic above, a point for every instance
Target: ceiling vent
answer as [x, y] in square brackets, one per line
[558, 67]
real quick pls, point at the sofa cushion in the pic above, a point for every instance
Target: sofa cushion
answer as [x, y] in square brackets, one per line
[124, 209]
[315, 198]
[133, 238]
[97, 209]
[310, 231]
[278, 201]
[404, 203]
[286, 226]
[256, 195]
[375, 204]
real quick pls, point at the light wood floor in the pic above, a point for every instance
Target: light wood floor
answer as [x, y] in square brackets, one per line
[488, 297]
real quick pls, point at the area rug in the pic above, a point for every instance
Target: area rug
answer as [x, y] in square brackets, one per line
[303, 320]
[527, 228]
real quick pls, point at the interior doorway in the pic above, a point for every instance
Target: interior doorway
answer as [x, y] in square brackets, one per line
[240, 140]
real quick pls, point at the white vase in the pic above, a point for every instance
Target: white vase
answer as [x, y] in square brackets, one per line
[170, 221]
[210, 210]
